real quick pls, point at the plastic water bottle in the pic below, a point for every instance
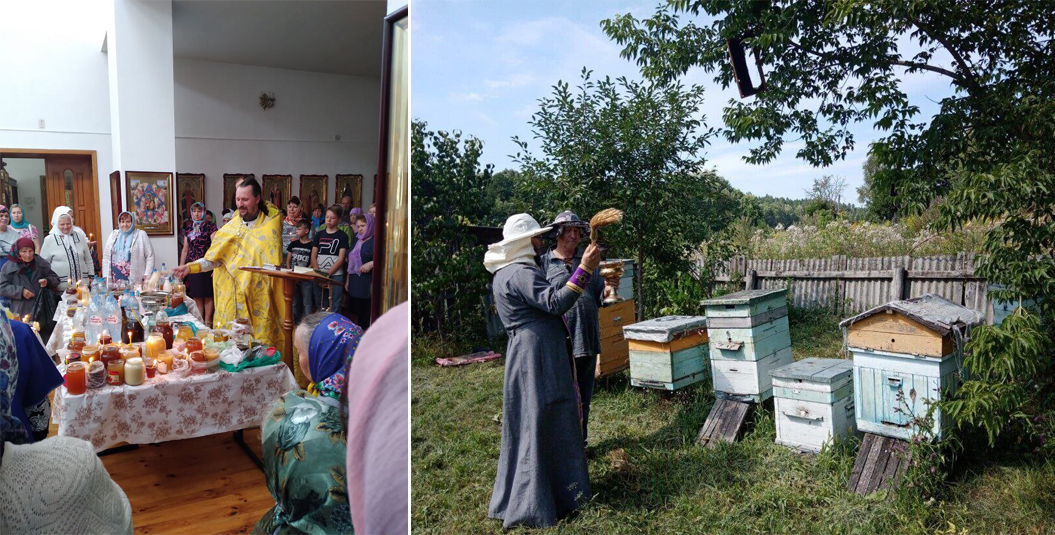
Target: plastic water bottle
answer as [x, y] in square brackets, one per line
[95, 318]
[112, 318]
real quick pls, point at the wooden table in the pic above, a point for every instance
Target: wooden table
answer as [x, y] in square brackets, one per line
[289, 287]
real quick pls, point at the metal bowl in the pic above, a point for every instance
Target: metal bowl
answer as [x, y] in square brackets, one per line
[154, 301]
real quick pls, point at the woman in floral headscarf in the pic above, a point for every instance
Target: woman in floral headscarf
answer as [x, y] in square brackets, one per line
[304, 441]
[197, 237]
[128, 255]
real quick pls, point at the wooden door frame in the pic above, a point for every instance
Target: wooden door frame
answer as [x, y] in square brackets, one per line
[44, 153]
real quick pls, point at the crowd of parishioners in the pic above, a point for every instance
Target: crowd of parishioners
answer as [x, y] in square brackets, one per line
[548, 301]
[337, 241]
[335, 456]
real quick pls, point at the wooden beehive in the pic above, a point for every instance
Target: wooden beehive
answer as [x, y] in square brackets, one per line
[813, 402]
[667, 353]
[615, 353]
[749, 337]
[907, 355]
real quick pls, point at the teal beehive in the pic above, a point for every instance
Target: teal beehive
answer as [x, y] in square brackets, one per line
[749, 336]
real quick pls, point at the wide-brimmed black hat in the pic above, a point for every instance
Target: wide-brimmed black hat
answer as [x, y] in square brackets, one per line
[568, 219]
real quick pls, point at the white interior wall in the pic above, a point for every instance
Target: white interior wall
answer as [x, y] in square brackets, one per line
[221, 128]
[55, 72]
[27, 171]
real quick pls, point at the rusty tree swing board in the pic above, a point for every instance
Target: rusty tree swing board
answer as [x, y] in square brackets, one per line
[726, 423]
[881, 463]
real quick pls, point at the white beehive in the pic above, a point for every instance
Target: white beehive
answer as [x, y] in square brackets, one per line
[813, 402]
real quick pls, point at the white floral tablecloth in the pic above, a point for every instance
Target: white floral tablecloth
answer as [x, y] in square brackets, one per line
[171, 408]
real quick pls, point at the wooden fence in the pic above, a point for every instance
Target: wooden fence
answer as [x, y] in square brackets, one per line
[849, 286]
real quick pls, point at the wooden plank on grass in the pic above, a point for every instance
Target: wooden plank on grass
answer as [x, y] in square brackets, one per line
[726, 422]
[881, 463]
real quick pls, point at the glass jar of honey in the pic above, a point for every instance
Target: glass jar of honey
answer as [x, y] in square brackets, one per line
[184, 331]
[198, 362]
[105, 339]
[115, 372]
[129, 352]
[194, 344]
[109, 354]
[165, 327]
[77, 337]
[91, 353]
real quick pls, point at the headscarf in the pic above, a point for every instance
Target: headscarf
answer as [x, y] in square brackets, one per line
[56, 215]
[123, 246]
[196, 224]
[355, 211]
[228, 215]
[20, 225]
[355, 260]
[16, 258]
[377, 426]
[11, 427]
[332, 346]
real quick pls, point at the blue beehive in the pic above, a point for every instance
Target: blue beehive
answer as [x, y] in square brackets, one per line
[907, 355]
[999, 310]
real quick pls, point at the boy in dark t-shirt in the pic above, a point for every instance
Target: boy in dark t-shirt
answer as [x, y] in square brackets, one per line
[329, 250]
[299, 255]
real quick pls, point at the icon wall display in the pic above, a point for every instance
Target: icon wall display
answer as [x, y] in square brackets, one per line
[350, 185]
[313, 191]
[277, 190]
[190, 188]
[149, 197]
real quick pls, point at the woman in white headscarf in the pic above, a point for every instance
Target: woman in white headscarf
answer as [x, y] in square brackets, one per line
[66, 249]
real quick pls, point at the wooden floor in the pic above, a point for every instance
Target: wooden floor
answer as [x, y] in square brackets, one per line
[200, 485]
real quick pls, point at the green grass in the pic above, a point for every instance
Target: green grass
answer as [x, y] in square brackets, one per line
[673, 486]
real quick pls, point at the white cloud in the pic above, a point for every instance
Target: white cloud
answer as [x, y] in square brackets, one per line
[469, 97]
[511, 81]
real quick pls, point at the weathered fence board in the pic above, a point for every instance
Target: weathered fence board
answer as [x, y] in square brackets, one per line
[849, 286]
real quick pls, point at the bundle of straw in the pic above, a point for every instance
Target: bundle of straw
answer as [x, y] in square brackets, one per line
[608, 216]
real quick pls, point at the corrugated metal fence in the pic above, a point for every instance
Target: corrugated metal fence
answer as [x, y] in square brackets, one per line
[849, 286]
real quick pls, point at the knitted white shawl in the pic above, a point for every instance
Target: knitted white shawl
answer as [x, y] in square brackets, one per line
[59, 485]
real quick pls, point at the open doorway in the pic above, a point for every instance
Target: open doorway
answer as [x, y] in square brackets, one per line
[39, 180]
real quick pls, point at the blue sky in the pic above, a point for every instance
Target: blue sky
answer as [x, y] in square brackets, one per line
[481, 67]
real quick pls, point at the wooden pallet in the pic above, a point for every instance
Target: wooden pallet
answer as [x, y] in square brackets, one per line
[881, 463]
[726, 423]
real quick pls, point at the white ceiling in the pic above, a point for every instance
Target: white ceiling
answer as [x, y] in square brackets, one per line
[336, 37]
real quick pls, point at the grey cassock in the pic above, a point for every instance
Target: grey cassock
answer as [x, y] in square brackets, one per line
[542, 472]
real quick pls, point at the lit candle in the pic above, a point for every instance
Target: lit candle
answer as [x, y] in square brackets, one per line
[129, 337]
[155, 345]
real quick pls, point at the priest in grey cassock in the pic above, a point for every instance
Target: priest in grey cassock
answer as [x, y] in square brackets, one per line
[542, 473]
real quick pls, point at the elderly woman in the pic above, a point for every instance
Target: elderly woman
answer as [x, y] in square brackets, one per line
[8, 235]
[128, 255]
[582, 319]
[24, 228]
[24, 276]
[66, 250]
[81, 496]
[304, 441]
[196, 241]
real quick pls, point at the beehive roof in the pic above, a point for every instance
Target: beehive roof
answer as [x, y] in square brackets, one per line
[932, 311]
[745, 297]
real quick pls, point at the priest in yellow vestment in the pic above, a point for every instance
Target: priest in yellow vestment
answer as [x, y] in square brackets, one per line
[252, 238]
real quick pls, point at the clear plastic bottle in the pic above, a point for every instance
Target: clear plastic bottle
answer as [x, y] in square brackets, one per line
[95, 324]
[112, 318]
